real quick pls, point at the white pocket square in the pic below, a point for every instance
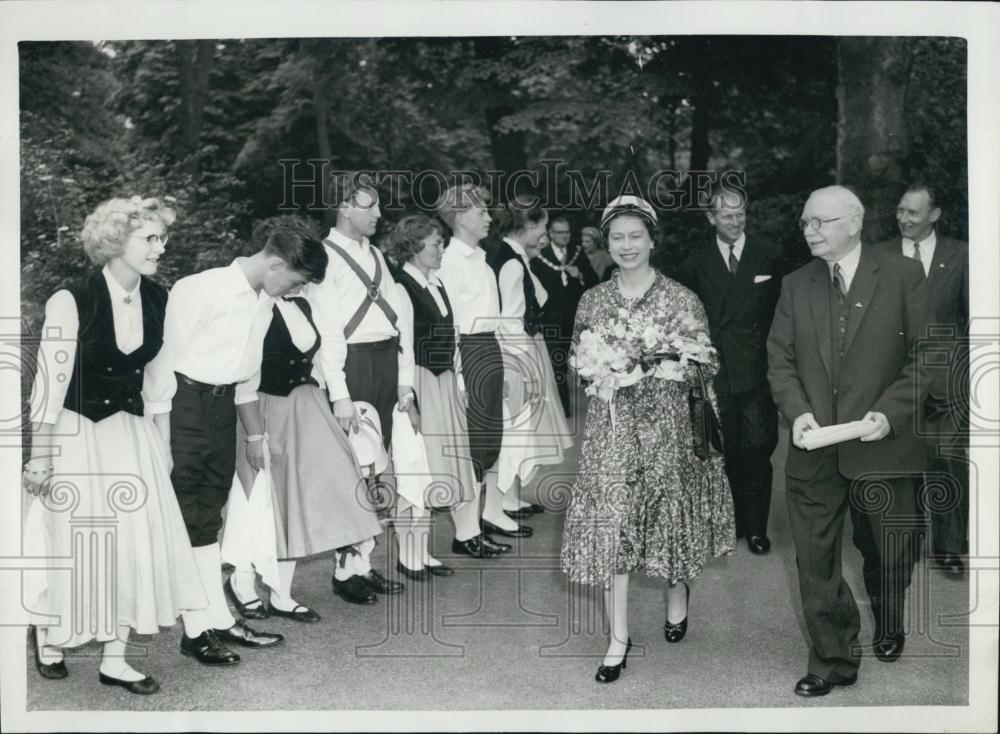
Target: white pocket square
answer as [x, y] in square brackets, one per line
[761, 278]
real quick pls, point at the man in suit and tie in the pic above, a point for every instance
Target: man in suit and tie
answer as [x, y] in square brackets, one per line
[738, 280]
[565, 273]
[945, 411]
[842, 348]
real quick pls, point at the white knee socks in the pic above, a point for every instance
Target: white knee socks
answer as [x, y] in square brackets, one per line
[209, 562]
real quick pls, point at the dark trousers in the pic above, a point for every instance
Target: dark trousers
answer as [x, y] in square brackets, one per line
[750, 434]
[372, 374]
[203, 447]
[883, 512]
[944, 491]
[558, 343]
[483, 372]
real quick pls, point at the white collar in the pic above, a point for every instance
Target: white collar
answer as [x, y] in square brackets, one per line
[344, 241]
[465, 248]
[928, 244]
[848, 263]
[737, 245]
[415, 273]
[238, 278]
[516, 247]
[118, 293]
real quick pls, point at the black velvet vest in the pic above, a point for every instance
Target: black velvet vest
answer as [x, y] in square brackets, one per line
[532, 324]
[104, 380]
[284, 366]
[433, 334]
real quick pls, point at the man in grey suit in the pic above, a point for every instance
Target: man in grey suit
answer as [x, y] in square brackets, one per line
[843, 347]
[944, 414]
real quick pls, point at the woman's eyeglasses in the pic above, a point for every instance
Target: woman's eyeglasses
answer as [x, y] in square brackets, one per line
[154, 239]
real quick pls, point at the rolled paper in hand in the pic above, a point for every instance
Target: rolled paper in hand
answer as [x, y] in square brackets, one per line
[817, 438]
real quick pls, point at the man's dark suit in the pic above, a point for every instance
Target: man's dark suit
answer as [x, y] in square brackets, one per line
[943, 416]
[878, 372]
[559, 311]
[739, 311]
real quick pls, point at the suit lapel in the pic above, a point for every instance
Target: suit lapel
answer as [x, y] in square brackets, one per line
[743, 280]
[819, 299]
[942, 264]
[860, 295]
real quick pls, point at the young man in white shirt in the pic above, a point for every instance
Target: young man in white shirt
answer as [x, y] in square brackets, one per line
[213, 339]
[361, 355]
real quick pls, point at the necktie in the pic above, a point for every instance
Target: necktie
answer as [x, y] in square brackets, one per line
[916, 251]
[733, 262]
[839, 283]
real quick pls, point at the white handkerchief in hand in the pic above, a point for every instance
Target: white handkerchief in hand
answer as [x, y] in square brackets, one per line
[761, 278]
[248, 538]
[817, 438]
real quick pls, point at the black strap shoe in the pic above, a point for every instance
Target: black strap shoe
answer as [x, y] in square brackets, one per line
[354, 591]
[144, 687]
[758, 544]
[675, 632]
[494, 547]
[523, 512]
[380, 584]
[208, 650]
[610, 673]
[301, 613]
[241, 634]
[522, 531]
[51, 671]
[419, 574]
[246, 611]
[812, 685]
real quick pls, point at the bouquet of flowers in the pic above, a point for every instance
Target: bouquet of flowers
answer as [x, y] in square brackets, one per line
[635, 346]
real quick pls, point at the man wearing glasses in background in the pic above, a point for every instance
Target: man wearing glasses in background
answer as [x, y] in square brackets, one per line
[842, 348]
[565, 273]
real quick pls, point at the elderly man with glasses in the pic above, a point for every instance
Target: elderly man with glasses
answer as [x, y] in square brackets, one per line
[842, 348]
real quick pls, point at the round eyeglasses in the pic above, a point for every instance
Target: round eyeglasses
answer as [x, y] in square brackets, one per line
[815, 222]
[154, 239]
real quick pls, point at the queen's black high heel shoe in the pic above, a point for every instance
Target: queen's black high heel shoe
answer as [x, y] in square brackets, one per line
[52, 671]
[675, 632]
[610, 673]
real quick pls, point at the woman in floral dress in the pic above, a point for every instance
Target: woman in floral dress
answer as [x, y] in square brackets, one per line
[642, 500]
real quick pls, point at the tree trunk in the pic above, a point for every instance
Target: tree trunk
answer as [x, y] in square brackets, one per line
[194, 62]
[323, 148]
[508, 148]
[872, 140]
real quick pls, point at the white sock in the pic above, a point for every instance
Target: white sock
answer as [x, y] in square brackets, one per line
[407, 541]
[511, 503]
[466, 519]
[243, 583]
[343, 565]
[209, 563]
[281, 598]
[113, 661]
[195, 622]
[362, 561]
[493, 509]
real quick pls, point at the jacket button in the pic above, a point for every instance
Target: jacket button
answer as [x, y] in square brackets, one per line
[834, 391]
[138, 372]
[109, 369]
[291, 382]
[107, 402]
[304, 360]
[302, 379]
[128, 400]
[291, 361]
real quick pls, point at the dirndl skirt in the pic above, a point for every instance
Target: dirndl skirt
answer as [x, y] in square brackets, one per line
[113, 532]
[320, 499]
[446, 438]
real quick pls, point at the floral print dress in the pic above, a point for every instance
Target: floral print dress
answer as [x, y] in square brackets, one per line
[642, 500]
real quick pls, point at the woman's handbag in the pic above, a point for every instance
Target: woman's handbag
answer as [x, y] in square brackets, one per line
[704, 423]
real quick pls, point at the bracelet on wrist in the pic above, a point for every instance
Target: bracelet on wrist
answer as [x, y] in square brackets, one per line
[257, 437]
[28, 467]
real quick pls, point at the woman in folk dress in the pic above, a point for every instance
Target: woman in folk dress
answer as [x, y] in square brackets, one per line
[95, 457]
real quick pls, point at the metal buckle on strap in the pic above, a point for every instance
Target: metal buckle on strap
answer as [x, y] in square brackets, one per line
[373, 293]
[219, 390]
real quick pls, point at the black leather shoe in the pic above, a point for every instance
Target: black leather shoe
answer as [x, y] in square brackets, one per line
[245, 610]
[52, 671]
[952, 565]
[208, 650]
[143, 687]
[478, 546]
[758, 544]
[523, 531]
[610, 673]
[380, 584]
[240, 634]
[523, 512]
[440, 570]
[889, 647]
[354, 590]
[417, 575]
[301, 613]
[675, 632]
[813, 685]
